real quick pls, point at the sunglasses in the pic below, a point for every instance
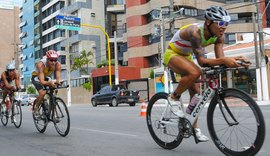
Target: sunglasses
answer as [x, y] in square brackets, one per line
[11, 70]
[222, 23]
[52, 60]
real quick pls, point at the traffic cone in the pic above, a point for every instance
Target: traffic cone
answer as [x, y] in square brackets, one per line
[143, 109]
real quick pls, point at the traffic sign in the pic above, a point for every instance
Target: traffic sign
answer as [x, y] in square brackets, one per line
[68, 22]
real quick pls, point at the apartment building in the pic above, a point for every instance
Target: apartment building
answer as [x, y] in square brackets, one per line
[27, 55]
[46, 36]
[9, 29]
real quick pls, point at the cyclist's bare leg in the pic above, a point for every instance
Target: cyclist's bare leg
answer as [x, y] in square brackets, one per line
[4, 97]
[41, 94]
[189, 71]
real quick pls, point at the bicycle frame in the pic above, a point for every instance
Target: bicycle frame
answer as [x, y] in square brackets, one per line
[207, 95]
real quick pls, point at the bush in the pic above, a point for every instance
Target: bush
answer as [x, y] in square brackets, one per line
[87, 85]
[151, 75]
[31, 90]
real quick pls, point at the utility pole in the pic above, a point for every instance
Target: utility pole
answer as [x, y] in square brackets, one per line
[257, 57]
[68, 63]
[172, 19]
[116, 73]
[263, 70]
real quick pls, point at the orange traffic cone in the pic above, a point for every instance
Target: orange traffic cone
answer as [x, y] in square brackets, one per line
[143, 109]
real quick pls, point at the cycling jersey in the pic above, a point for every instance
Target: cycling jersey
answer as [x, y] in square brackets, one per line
[179, 46]
[47, 71]
[9, 80]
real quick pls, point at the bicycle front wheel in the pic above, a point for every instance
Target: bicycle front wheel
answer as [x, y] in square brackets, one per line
[17, 114]
[4, 115]
[162, 124]
[236, 123]
[61, 117]
[42, 121]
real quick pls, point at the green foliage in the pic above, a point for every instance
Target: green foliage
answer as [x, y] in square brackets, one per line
[31, 90]
[151, 75]
[88, 85]
[105, 63]
[81, 62]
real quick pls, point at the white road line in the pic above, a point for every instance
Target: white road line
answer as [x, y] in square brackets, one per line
[107, 132]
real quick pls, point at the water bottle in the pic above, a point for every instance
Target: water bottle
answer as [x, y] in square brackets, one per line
[193, 102]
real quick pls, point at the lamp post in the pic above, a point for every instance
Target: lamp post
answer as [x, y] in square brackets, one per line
[109, 48]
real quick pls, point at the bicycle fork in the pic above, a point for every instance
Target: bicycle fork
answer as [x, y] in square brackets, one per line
[223, 104]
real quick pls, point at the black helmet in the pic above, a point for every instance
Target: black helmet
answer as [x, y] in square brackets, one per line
[217, 13]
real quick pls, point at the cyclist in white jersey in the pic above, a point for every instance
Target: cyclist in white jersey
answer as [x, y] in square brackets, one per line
[191, 39]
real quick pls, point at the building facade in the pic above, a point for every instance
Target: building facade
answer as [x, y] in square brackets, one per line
[46, 36]
[9, 29]
[27, 41]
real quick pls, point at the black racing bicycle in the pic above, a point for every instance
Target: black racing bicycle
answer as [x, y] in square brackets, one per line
[14, 113]
[235, 121]
[52, 109]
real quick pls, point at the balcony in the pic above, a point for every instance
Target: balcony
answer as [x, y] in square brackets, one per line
[116, 8]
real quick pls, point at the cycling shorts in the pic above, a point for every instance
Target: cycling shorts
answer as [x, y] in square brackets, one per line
[170, 53]
[36, 83]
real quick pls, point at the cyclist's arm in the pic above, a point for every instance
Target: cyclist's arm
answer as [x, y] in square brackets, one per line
[219, 47]
[195, 39]
[58, 72]
[41, 75]
[17, 81]
[4, 78]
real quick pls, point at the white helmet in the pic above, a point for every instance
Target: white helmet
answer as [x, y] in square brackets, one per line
[10, 66]
[217, 13]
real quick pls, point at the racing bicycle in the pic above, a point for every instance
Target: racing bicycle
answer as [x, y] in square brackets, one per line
[52, 109]
[15, 112]
[235, 122]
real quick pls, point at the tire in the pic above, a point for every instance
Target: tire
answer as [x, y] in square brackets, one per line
[165, 135]
[114, 102]
[17, 114]
[244, 138]
[40, 124]
[4, 116]
[61, 117]
[94, 103]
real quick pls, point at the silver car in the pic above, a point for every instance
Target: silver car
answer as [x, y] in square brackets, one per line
[28, 99]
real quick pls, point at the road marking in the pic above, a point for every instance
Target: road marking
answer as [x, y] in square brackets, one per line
[107, 132]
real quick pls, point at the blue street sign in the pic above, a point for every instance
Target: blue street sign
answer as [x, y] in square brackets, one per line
[68, 22]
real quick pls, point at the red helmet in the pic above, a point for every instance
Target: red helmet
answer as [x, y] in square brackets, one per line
[52, 54]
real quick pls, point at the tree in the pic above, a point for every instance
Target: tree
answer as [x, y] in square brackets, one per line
[81, 61]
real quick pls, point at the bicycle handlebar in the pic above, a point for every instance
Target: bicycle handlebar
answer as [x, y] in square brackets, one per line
[215, 70]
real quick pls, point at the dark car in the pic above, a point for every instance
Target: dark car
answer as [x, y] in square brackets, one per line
[114, 95]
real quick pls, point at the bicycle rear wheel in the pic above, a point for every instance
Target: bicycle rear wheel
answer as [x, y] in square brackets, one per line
[4, 116]
[61, 117]
[244, 131]
[162, 124]
[41, 122]
[17, 114]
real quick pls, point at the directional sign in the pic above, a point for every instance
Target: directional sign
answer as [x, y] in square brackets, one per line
[68, 22]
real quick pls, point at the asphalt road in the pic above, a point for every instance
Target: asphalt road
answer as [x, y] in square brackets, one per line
[103, 131]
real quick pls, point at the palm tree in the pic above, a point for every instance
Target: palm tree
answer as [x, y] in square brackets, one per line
[81, 61]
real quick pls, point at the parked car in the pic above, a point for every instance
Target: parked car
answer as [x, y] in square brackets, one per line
[114, 95]
[28, 99]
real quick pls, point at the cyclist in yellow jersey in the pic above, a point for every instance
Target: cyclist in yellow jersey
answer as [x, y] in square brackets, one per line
[45, 68]
[192, 39]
